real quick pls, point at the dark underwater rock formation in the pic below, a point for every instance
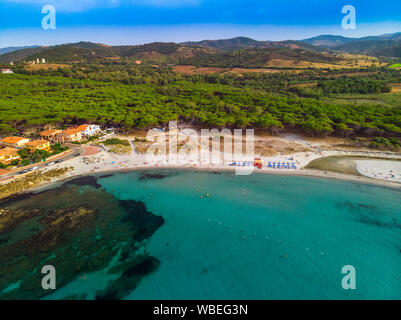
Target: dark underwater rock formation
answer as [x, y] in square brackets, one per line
[78, 228]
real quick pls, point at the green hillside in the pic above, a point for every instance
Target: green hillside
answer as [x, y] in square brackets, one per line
[255, 58]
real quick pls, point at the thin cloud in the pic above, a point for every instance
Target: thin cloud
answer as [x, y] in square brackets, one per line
[166, 3]
[70, 5]
[84, 5]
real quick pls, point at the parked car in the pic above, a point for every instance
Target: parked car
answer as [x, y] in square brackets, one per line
[34, 168]
[58, 161]
[50, 164]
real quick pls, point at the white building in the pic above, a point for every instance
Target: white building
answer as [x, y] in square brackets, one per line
[6, 71]
[89, 129]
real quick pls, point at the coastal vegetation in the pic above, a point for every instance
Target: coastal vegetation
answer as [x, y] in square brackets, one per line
[380, 142]
[30, 181]
[115, 141]
[305, 88]
[118, 146]
[32, 100]
[376, 143]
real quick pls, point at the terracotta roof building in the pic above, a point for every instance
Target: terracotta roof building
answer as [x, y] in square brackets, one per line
[14, 142]
[7, 155]
[69, 135]
[50, 134]
[38, 145]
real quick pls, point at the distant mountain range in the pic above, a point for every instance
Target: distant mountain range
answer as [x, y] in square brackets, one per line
[330, 41]
[84, 51]
[384, 45]
[11, 49]
[229, 44]
[212, 53]
[387, 45]
[19, 54]
[240, 43]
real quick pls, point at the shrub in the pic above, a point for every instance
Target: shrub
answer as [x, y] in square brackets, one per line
[116, 141]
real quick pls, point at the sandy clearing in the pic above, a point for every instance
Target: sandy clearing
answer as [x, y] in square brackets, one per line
[91, 150]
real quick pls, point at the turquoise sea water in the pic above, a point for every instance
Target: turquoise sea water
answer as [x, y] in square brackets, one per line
[266, 236]
[168, 234]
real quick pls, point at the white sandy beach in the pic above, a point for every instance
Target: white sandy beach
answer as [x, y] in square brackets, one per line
[104, 162]
[379, 172]
[380, 169]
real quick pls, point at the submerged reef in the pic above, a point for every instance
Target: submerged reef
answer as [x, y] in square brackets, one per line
[78, 228]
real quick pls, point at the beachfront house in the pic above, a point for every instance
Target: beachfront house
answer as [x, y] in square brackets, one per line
[6, 71]
[7, 155]
[38, 145]
[89, 130]
[14, 142]
[69, 135]
[50, 135]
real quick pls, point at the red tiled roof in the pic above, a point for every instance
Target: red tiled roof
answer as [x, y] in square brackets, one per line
[47, 133]
[12, 140]
[71, 131]
[83, 127]
[8, 152]
[37, 143]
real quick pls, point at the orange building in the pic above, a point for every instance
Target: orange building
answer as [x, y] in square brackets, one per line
[7, 155]
[38, 145]
[49, 135]
[14, 142]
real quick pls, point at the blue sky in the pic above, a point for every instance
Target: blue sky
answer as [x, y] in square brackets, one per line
[141, 21]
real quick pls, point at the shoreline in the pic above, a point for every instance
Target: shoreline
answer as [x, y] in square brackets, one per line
[301, 173]
[103, 163]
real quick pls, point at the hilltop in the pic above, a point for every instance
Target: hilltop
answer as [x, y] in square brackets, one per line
[229, 53]
[386, 45]
[12, 49]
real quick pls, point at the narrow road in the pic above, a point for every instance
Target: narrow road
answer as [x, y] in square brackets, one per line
[133, 148]
[77, 151]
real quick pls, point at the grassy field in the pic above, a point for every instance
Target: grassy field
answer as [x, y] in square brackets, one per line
[396, 66]
[47, 66]
[344, 165]
[387, 99]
